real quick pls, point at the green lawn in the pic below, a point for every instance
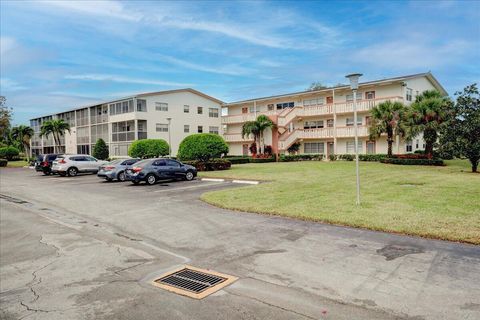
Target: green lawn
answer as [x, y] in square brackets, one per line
[434, 202]
[17, 164]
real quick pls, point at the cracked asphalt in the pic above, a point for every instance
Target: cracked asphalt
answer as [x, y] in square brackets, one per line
[81, 248]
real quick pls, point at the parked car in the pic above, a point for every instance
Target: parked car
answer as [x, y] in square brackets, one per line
[153, 170]
[71, 165]
[115, 170]
[43, 163]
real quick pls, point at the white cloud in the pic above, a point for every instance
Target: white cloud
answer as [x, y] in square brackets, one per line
[7, 84]
[227, 69]
[123, 79]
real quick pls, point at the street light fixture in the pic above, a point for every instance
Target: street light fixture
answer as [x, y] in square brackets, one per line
[169, 139]
[354, 86]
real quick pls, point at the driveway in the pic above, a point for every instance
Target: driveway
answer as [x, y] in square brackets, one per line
[82, 248]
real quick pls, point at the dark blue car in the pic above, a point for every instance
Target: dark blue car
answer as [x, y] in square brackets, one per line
[153, 170]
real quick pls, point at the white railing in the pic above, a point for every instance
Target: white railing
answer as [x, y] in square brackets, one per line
[344, 132]
[244, 117]
[363, 105]
[235, 137]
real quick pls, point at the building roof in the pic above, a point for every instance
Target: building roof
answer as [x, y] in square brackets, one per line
[382, 81]
[139, 95]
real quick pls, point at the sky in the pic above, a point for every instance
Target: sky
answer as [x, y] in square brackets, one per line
[59, 55]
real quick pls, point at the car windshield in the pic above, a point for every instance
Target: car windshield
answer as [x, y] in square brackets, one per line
[40, 157]
[143, 163]
[116, 161]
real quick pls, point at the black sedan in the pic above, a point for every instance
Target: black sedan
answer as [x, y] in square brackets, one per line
[43, 163]
[153, 170]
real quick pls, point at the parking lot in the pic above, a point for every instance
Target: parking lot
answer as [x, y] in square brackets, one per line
[84, 248]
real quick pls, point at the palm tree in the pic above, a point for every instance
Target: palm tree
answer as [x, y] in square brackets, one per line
[23, 134]
[56, 128]
[428, 114]
[387, 117]
[256, 129]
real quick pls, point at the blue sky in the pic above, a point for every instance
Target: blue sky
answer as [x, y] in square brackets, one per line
[57, 55]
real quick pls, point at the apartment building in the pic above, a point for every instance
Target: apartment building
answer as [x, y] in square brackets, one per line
[322, 120]
[120, 122]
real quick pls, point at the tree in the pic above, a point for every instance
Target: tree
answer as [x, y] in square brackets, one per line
[202, 146]
[9, 153]
[256, 129]
[429, 114]
[316, 86]
[100, 150]
[148, 148]
[5, 118]
[387, 117]
[462, 135]
[56, 128]
[23, 134]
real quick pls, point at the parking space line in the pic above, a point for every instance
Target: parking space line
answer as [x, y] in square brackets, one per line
[212, 179]
[189, 187]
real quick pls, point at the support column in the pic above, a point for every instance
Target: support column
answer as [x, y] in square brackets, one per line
[334, 123]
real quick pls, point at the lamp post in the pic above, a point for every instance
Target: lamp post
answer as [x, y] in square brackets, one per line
[169, 139]
[354, 86]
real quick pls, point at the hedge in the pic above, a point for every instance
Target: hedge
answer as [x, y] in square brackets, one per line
[148, 148]
[419, 162]
[238, 160]
[361, 157]
[301, 157]
[9, 153]
[211, 165]
[202, 146]
[3, 162]
[262, 160]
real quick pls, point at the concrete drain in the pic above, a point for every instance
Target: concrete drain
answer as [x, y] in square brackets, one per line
[193, 282]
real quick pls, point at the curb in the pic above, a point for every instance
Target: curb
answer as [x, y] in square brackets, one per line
[213, 179]
[233, 181]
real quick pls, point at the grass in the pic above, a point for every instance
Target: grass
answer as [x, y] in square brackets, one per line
[433, 202]
[17, 164]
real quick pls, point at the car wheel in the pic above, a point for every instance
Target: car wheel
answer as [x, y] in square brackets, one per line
[151, 179]
[121, 176]
[189, 176]
[72, 172]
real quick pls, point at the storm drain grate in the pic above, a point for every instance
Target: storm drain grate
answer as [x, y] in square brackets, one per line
[193, 282]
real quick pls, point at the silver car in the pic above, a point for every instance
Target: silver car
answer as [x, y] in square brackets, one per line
[115, 170]
[72, 164]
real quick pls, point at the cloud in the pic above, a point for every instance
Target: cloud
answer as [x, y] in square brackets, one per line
[123, 79]
[7, 84]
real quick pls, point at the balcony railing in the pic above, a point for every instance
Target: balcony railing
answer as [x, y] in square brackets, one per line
[244, 117]
[236, 137]
[287, 139]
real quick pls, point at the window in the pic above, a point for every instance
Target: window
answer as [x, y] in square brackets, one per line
[123, 131]
[186, 128]
[186, 108]
[159, 163]
[200, 129]
[408, 95]
[313, 124]
[408, 146]
[368, 121]
[330, 123]
[329, 100]
[162, 127]
[314, 147]
[314, 102]
[350, 147]
[141, 105]
[370, 95]
[245, 110]
[416, 144]
[213, 112]
[161, 106]
[370, 147]
[285, 105]
[349, 121]
[251, 109]
[120, 107]
[270, 107]
[213, 130]
[349, 97]
[200, 110]
[245, 149]
[173, 163]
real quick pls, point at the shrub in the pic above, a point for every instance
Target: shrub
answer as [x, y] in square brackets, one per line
[253, 148]
[267, 150]
[419, 162]
[202, 146]
[371, 157]
[420, 151]
[100, 150]
[9, 153]
[301, 157]
[3, 162]
[210, 165]
[238, 160]
[346, 157]
[148, 148]
[262, 160]
[332, 157]
[410, 156]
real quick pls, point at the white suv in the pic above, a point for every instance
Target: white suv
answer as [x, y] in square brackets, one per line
[73, 164]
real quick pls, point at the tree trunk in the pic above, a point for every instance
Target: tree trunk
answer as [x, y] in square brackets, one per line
[474, 163]
[430, 137]
[389, 143]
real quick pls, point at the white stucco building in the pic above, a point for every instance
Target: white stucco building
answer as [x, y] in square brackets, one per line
[141, 116]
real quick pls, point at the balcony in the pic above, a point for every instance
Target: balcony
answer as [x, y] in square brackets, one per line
[287, 139]
[244, 117]
[236, 137]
